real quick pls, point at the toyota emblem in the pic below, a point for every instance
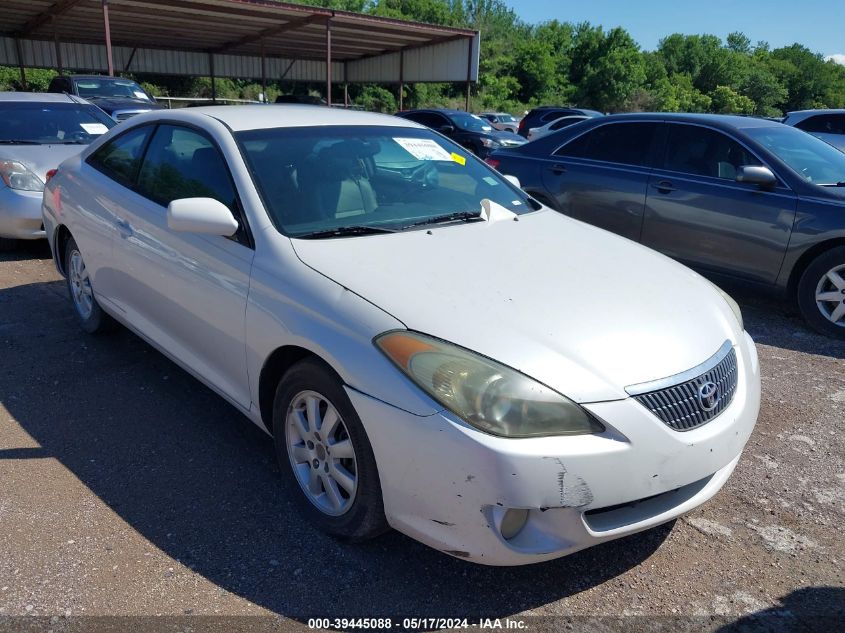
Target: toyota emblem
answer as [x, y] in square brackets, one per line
[708, 395]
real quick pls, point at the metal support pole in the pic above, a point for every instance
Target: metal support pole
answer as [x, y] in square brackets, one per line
[263, 72]
[401, 80]
[328, 62]
[469, 71]
[58, 46]
[20, 63]
[211, 73]
[108, 37]
[345, 85]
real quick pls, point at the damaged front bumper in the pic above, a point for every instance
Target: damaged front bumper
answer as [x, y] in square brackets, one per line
[450, 486]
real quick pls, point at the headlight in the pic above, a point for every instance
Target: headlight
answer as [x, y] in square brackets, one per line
[489, 142]
[733, 304]
[17, 176]
[489, 396]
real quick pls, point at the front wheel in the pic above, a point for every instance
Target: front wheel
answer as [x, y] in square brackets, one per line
[325, 454]
[88, 312]
[821, 293]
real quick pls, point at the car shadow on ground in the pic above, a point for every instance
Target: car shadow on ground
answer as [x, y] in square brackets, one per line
[200, 482]
[807, 609]
[25, 250]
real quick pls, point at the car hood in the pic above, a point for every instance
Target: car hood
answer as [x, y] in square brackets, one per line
[110, 104]
[40, 158]
[580, 309]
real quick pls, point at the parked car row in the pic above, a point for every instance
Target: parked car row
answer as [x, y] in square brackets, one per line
[430, 347]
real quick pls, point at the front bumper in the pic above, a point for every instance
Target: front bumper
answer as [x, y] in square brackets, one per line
[448, 485]
[20, 214]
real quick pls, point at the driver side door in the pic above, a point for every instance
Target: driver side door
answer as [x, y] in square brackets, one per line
[698, 213]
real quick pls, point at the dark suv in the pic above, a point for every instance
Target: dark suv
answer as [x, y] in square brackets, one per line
[539, 116]
[119, 98]
[734, 197]
[468, 130]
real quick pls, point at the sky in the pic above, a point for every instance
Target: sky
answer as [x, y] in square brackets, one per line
[816, 24]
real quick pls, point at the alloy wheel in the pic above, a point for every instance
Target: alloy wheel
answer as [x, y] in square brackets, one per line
[80, 286]
[321, 453]
[830, 295]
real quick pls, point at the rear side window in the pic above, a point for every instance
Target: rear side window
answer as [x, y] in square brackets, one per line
[120, 159]
[182, 163]
[624, 143]
[704, 152]
[823, 124]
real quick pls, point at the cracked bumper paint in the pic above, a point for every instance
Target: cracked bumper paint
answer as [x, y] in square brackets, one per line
[448, 485]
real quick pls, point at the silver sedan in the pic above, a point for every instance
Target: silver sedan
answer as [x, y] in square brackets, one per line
[37, 132]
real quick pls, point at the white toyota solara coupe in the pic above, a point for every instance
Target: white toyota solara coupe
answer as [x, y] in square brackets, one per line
[431, 349]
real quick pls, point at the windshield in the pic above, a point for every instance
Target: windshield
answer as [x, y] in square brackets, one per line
[51, 123]
[94, 88]
[811, 158]
[317, 179]
[471, 122]
[507, 118]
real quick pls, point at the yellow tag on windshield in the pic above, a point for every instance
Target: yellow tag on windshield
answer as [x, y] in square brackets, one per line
[459, 159]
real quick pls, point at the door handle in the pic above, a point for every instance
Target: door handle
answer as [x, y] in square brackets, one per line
[124, 228]
[558, 169]
[664, 186]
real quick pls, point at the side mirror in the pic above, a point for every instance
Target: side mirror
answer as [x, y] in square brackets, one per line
[513, 180]
[756, 175]
[201, 215]
[447, 129]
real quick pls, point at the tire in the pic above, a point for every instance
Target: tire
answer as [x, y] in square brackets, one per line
[351, 511]
[822, 283]
[88, 312]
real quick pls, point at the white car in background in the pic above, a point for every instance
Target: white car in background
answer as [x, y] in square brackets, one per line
[37, 132]
[828, 125]
[430, 348]
[502, 121]
[553, 126]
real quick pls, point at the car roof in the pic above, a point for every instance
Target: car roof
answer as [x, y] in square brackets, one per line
[97, 77]
[255, 117]
[38, 97]
[440, 110]
[806, 113]
[724, 121]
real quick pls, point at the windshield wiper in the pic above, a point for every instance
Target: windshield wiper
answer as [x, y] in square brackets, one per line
[12, 141]
[455, 216]
[344, 231]
[833, 184]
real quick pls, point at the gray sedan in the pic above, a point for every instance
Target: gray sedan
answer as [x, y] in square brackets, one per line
[37, 132]
[734, 197]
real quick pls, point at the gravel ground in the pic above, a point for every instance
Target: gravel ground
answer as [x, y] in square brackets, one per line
[127, 488]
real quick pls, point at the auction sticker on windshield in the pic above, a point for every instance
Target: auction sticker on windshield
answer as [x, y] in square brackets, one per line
[423, 149]
[94, 128]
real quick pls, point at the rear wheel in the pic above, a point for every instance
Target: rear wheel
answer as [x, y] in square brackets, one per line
[821, 293]
[325, 454]
[88, 312]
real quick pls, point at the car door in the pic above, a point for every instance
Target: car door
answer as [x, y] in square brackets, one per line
[111, 171]
[698, 213]
[185, 291]
[601, 176]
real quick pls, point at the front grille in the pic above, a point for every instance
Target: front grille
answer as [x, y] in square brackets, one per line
[685, 405]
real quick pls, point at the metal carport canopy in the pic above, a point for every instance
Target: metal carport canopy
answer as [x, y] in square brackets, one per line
[232, 38]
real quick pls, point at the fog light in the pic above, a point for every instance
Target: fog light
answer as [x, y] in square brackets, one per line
[513, 522]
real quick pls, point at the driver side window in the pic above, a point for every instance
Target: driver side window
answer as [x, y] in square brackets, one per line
[120, 159]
